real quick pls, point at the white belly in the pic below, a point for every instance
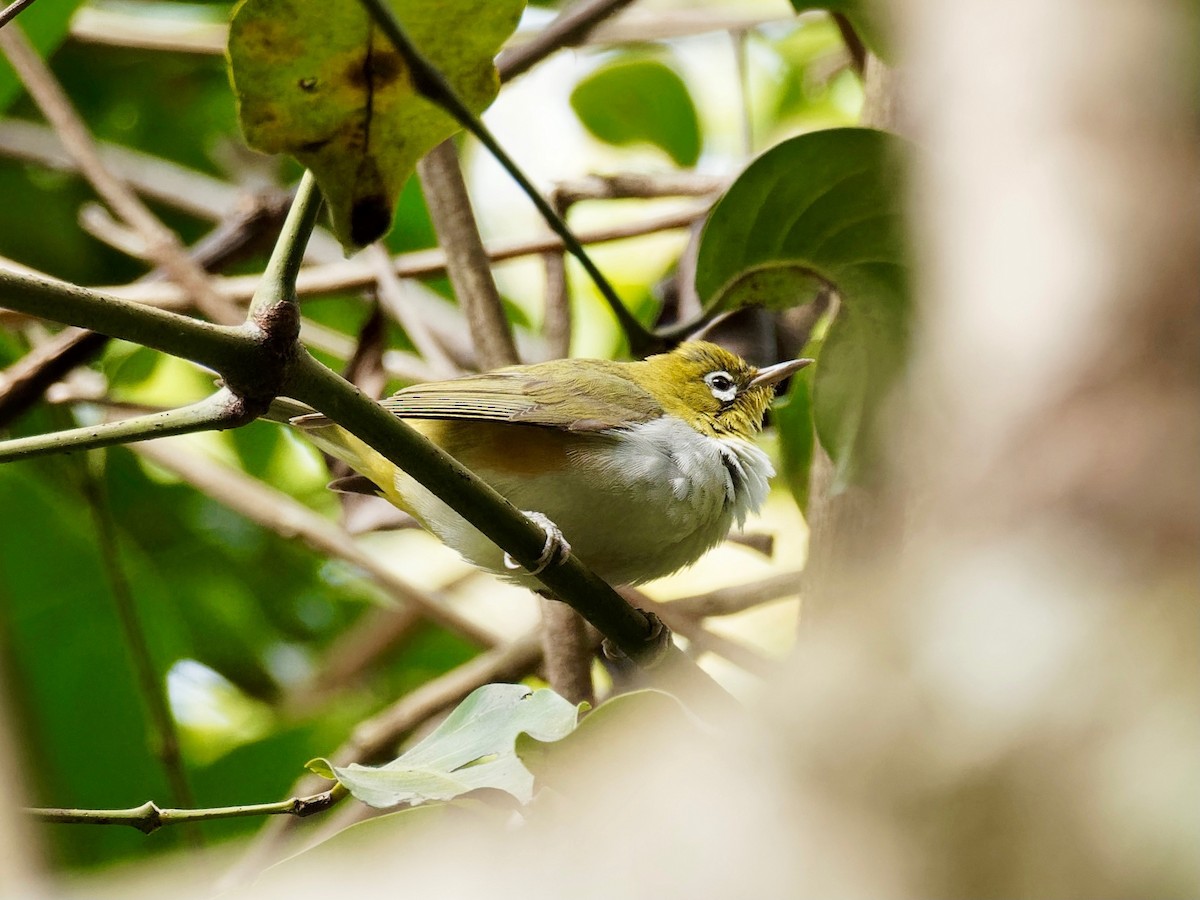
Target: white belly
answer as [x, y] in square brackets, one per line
[634, 508]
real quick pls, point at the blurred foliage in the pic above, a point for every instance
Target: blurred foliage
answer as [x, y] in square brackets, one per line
[241, 611]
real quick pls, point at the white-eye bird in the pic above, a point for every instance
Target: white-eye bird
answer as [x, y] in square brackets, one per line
[642, 466]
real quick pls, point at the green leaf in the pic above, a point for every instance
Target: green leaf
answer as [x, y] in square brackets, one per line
[828, 206]
[864, 15]
[635, 101]
[318, 80]
[46, 26]
[472, 749]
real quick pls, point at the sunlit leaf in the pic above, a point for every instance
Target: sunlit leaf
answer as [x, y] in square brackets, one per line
[472, 749]
[640, 101]
[827, 207]
[318, 80]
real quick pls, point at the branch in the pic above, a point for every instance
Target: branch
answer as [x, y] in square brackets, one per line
[738, 598]
[148, 817]
[570, 28]
[431, 84]
[854, 44]
[214, 413]
[13, 10]
[466, 260]
[162, 244]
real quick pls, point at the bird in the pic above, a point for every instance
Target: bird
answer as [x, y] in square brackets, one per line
[637, 467]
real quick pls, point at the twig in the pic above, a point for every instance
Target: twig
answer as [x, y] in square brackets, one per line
[556, 318]
[13, 10]
[396, 302]
[742, 63]
[467, 263]
[854, 44]
[148, 817]
[344, 275]
[161, 243]
[570, 28]
[274, 300]
[628, 185]
[151, 684]
[568, 649]
[429, 82]
[217, 412]
[275, 510]
[730, 600]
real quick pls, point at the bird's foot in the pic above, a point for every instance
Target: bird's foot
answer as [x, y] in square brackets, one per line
[556, 550]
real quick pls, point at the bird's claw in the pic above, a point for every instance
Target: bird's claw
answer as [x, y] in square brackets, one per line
[556, 549]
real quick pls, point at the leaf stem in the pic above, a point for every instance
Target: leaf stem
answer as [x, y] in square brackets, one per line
[430, 83]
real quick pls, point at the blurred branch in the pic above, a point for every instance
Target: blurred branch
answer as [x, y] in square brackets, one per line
[739, 597]
[854, 44]
[570, 28]
[350, 274]
[642, 185]
[467, 262]
[148, 817]
[291, 519]
[162, 244]
[150, 682]
[568, 647]
[399, 304]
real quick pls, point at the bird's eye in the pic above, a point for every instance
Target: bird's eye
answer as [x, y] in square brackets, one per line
[723, 387]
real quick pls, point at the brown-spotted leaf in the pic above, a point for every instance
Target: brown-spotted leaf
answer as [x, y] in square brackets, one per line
[318, 80]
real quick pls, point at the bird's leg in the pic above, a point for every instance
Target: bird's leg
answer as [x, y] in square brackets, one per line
[556, 549]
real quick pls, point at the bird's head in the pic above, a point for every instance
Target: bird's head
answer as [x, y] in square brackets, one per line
[715, 391]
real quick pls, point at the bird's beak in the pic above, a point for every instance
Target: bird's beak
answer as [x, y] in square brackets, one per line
[776, 373]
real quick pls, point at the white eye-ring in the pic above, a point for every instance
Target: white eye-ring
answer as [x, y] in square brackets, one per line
[723, 387]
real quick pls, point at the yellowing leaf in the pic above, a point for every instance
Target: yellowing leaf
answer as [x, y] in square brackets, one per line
[318, 80]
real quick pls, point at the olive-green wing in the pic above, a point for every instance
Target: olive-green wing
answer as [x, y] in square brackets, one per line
[582, 395]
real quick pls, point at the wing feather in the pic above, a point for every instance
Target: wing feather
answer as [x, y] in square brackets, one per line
[584, 395]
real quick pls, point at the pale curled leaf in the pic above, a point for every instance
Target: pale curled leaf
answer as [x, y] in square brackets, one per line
[318, 80]
[473, 748]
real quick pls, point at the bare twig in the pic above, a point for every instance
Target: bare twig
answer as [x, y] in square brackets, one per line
[467, 263]
[151, 684]
[735, 599]
[344, 275]
[642, 185]
[570, 28]
[742, 63]
[399, 304]
[275, 510]
[568, 649]
[556, 318]
[854, 44]
[13, 10]
[162, 244]
[217, 412]
[148, 817]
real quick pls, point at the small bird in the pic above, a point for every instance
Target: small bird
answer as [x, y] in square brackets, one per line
[639, 467]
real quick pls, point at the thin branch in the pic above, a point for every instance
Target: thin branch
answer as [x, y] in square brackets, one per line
[467, 263]
[151, 684]
[568, 649]
[13, 10]
[556, 317]
[742, 63]
[640, 185]
[351, 274]
[276, 511]
[397, 302]
[738, 598]
[570, 28]
[148, 817]
[275, 298]
[854, 44]
[217, 412]
[429, 82]
[161, 243]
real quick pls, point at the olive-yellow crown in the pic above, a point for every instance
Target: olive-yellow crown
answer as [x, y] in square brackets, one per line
[715, 391]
